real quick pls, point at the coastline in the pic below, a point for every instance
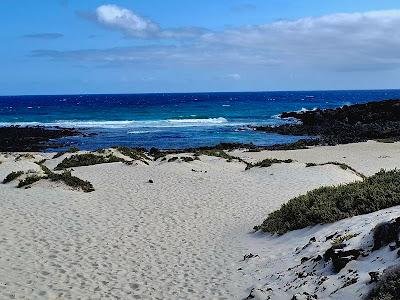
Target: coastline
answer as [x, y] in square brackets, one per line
[183, 235]
[147, 223]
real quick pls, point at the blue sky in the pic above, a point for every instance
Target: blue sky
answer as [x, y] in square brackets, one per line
[74, 46]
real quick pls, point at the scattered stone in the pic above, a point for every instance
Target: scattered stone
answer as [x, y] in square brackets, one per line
[340, 258]
[250, 296]
[374, 276]
[304, 259]
[248, 256]
[318, 258]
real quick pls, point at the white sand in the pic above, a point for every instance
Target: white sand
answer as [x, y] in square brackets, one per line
[182, 237]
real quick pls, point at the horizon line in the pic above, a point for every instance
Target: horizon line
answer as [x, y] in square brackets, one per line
[209, 92]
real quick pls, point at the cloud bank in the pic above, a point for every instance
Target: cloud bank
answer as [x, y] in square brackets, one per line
[134, 25]
[337, 42]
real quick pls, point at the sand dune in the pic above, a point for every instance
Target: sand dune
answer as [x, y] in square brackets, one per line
[181, 237]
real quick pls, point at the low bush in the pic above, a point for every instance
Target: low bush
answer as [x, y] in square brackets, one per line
[29, 180]
[388, 286]
[267, 163]
[25, 155]
[70, 150]
[68, 179]
[75, 182]
[330, 204]
[341, 239]
[12, 176]
[341, 165]
[88, 159]
[134, 153]
[219, 153]
[156, 153]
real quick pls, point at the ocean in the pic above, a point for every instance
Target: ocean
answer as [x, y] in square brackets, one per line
[173, 121]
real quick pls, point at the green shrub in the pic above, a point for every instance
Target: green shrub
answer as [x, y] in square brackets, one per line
[12, 176]
[388, 286]
[219, 153]
[172, 159]
[308, 165]
[134, 153]
[79, 160]
[25, 155]
[68, 179]
[330, 204]
[341, 239]
[267, 163]
[343, 166]
[189, 158]
[101, 151]
[40, 162]
[70, 150]
[74, 181]
[73, 150]
[29, 180]
[156, 153]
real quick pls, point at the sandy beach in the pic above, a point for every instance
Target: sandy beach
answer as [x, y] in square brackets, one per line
[183, 236]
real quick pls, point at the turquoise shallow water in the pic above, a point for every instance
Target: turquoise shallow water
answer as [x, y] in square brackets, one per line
[173, 120]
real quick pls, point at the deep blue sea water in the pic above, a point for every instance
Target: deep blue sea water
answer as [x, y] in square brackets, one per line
[173, 120]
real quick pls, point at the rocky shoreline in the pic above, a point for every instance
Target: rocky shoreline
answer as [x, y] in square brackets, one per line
[347, 124]
[32, 139]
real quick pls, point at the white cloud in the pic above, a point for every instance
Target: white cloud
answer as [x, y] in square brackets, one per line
[124, 19]
[134, 25]
[338, 42]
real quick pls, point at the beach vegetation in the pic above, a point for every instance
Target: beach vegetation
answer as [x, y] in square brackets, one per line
[73, 181]
[216, 152]
[68, 179]
[88, 159]
[172, 159]
[101, 151]
[70, 150]
[334, 203]
[189, 158]
[341, 165]
[388, 140]
[42, 161]
[29, 180]
[308, 165]
[267, 163]
[156, 153]
[134, 153]
[12, 176]
[388, 285]
[343, 238]
[24, 155]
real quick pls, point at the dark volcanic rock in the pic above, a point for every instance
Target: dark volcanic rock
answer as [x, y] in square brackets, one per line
[30, 139]
[340, 258]
[386, 233]
[355, 123]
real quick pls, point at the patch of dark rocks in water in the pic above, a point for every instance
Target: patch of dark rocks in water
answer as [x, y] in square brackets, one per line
[348, 124]
[33, 138]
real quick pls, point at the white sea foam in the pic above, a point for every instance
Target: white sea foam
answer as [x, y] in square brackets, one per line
[128, 123]
[303, 109]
